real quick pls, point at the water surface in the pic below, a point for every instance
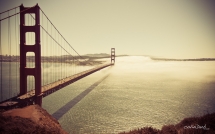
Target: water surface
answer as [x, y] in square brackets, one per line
[133, 93]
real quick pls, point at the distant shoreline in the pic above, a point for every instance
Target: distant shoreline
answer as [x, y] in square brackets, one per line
[200, 59]
[88, 58]
[83, 63]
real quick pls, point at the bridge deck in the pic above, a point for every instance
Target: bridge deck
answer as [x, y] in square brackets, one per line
[50, 88]
[54, 86]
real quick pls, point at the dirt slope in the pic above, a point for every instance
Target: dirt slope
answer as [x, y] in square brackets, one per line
[31, 119]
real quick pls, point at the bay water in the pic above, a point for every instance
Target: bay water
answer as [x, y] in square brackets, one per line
[134, 93]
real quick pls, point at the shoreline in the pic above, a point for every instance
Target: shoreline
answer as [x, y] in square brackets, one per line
[191, 125]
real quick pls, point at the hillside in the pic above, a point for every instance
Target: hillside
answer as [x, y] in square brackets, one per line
[30, 120]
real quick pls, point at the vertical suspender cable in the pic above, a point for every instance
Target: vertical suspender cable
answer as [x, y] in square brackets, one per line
[51, 55]
[59, 56]
[55, 58]
[30, 56]
[73, 65]
[16, 67]
[9, 42]
[48, 45]
[61, 59]
[8, 58]
[67, 72]
[64, 75]
[28, 62]
[66, 62]
[47, 76]
[42, 46]
[33, 56]
[76, 61]
[1, 61]
[41, 22]
[18, 51]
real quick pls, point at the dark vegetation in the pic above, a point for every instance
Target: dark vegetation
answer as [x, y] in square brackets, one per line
[198, 124]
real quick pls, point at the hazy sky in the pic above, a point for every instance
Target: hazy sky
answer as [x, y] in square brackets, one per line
[165, 28]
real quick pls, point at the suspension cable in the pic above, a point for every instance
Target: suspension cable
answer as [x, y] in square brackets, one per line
[16, 13]
[53, 37]
[54, 40]
[61, 34]
[9, 9]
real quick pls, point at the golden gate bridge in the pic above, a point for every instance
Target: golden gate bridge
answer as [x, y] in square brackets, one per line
[30, 43]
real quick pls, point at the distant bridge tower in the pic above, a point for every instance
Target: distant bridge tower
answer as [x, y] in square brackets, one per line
[35, 48]
[113, 55]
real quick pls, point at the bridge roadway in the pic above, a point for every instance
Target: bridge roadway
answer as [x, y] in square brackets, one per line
[48, 89]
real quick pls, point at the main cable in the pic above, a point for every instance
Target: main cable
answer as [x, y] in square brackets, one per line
[53, 38]
[16, 13]
[9, 10]
[61, 35]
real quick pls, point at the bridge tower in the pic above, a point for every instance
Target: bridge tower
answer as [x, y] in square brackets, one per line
[35, 48]
[113, 55]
